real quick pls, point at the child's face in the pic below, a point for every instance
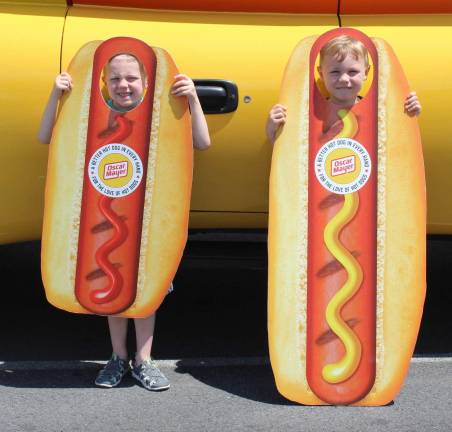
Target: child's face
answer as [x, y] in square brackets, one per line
[124, 82]
[344, 79]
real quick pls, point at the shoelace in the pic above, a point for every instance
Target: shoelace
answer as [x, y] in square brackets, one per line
[111, 369]
[149, 369]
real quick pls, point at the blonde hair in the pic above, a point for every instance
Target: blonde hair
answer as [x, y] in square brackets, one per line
[128, 57]
[341, 46]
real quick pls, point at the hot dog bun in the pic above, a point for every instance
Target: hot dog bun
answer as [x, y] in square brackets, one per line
[166, 199]
[401, 217]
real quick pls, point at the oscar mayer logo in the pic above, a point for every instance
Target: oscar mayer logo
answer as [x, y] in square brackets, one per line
[115, 170]
[342, 166]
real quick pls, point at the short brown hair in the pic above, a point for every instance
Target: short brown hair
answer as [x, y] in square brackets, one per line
[341, 46]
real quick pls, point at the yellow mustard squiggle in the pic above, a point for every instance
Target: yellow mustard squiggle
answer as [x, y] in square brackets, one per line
[350, 124]
[343, 369]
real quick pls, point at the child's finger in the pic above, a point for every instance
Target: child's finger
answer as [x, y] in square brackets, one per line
[183, 89]
[415, 110]
[279, 113]
[276, 113]
[65, 85]
[67, 77]
[181, 78]
[412, 97]
[61, 86]
[413, 105]
[278, 116]
[411, 101]
[279, 107]
[179, 84]
[179, 89]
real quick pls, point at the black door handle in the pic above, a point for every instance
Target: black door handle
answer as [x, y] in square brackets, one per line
[217, 96]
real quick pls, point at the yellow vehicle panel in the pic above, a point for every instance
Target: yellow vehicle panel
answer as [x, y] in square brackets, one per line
[231, 179]
[251, 50]
[422, 44]
[31, 41]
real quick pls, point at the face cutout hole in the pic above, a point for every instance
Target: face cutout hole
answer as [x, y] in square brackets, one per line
[123, 82]
[342, 75]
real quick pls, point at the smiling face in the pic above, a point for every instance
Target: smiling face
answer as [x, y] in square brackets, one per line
[124, 82]
[343, 78]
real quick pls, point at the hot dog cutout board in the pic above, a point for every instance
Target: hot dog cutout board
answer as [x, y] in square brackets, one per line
[346, 235]
[118, 185]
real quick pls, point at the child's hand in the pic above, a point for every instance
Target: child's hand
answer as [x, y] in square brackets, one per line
[276, 118]
[184, 86]
[412, 105]
[63, 82]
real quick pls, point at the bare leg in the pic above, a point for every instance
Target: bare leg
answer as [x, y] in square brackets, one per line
[118, 336]
[144, 329]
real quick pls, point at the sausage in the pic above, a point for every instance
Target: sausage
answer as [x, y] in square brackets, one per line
[125, 145]
[343, 370]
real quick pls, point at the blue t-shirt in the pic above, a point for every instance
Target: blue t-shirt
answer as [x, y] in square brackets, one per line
[110, 105]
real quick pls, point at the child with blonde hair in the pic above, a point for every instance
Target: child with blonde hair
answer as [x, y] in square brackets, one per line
[343, 68]
[126, 82]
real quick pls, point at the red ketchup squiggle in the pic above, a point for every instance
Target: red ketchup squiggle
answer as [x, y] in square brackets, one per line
[115, 280]
[121, 132]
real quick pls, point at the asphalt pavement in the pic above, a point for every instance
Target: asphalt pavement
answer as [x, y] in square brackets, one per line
[220, 395]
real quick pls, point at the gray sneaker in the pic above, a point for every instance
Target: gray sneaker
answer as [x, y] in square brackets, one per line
[113, 372]
[150, 377]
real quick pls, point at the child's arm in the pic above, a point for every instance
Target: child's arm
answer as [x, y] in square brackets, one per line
[276, 118]
[412, 105]
[184, 86]
[63, 82]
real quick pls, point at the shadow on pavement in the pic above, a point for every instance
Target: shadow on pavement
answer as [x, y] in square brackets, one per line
[78, 375]
[250, 382]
